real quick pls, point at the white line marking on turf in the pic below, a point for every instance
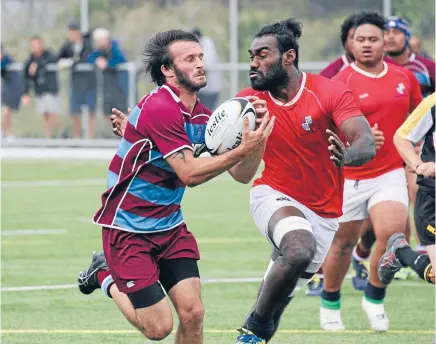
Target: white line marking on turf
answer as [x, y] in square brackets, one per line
[36, 288]
[28, 232]
[203, 281]
[217, 331]
[53, 183]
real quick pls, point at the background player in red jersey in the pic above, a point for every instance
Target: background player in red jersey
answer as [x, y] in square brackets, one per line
[297, 200]
[347, 32]
[147, 245]
[386, 94]
[397, 49]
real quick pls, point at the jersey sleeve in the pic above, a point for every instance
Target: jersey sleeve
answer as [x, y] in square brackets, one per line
[246, 92]
[166, 127]
[419, 122]
[415, 92]
[343, 104]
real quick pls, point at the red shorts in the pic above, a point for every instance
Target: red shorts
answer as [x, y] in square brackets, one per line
[134, 258]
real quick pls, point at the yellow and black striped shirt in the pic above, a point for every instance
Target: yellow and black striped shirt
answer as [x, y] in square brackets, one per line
[420, 125]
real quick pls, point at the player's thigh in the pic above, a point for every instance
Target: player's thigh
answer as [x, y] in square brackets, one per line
[277, 214]
[346, 238]
[186, 299]
[365, 227]
[179, 274]
[355, 201]
[179, 260]
[269, 209]
[388, 206]
[131, 261]
[425, 216]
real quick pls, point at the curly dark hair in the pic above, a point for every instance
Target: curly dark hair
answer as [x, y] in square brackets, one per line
[156, 52]
[287, 32]
[347, 25]
[371, 17]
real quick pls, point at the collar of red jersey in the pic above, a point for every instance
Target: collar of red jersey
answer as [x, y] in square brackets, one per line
[371, 75]
[297, 96]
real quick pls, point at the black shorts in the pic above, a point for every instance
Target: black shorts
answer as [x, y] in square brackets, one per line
[425, 216]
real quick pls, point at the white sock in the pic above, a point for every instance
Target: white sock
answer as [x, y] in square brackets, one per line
[356, 256]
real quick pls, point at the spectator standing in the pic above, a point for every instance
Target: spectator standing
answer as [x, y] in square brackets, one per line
[11, 87]
[106, 58]
[45, 84]
[77, 48]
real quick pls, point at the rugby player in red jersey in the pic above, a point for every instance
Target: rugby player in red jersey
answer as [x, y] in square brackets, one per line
[377, 190]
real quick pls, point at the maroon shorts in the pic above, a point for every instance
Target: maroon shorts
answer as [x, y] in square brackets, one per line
[134, 259]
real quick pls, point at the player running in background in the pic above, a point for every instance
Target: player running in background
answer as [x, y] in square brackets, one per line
[420, 124]
[377, 190]
[347, 32]
[398, 51]
[297, 200]
[147, 245]
[314, 288]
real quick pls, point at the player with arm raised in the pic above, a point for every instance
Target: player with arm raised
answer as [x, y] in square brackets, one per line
[420, 124]
[146, 243]
[297, 200]
[377, 190]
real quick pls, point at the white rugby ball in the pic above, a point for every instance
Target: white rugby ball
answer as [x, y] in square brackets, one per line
[224, 128]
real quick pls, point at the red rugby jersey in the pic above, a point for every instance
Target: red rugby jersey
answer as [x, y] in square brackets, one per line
[296, 157]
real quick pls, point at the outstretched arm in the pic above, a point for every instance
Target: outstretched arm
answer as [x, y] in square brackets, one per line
[362, 146]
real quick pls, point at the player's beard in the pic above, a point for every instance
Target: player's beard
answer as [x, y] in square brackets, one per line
[183, 80]
[275, 78]
[398, 52]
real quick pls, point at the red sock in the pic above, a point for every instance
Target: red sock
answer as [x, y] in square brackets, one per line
[102, 275]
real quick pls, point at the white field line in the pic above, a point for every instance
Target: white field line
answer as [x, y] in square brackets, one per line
[53, 183]
[203, 281]
[28, 232]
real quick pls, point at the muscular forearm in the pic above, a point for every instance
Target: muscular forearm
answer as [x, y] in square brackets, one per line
[360, 151]
[204, 169]
[407, 151]
[244, 171]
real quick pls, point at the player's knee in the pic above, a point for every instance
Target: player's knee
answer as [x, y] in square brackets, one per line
[192, 315]
[157, 328]
[157, 331]
[299, 248]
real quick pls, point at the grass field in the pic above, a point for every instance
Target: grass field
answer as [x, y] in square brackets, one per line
[231, 247]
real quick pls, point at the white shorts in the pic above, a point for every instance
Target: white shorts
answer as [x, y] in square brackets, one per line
[265, 201]
[47, 103]
[360, 196]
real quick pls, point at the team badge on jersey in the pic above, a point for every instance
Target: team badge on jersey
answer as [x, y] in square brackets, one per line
[401, 88]
[307, 123]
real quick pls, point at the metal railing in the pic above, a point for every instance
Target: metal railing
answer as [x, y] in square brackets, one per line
[135, 71]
